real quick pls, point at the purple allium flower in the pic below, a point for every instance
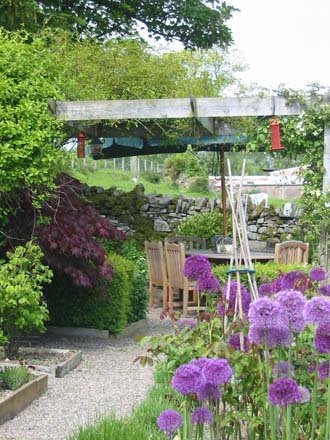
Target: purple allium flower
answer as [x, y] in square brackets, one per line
[207, 282]
[200, 362]
[293, 302]
[169, 421]
[317, 274]
[296, 280]
[246, 299]
[235, 342]
[195, 265]
[208, 391]
[264, 312]
[323, 370]
[317, 310]
[185, 323]
[277, 283]
[283, 369]
[266, 289]
[304, 395]
[270, 335]
[322, 337]
[325, 290]
[283, 391]
[217, 371]
[220, 310]
[201, 415]
[187, 379]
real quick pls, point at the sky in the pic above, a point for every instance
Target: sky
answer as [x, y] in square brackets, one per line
[283, 42]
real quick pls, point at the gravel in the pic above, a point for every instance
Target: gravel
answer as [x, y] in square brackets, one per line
[107, 381]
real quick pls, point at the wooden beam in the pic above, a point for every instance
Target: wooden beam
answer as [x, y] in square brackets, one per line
[175, 108]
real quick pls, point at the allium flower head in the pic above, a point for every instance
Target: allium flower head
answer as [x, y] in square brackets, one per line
[200, 362]
[277, 283]
[317, 310]
[325, 290]
[283, 369]
[201, 415]
[169, 421]
[322, 337]
[195, 265]
[266, 289]
[185, 323]
[272, 335]
[221, 310]
[217, 371]
[305, 395]
[283, 391]
[264, 312]
[317, 274]
[235, 342]
[323, 370]
[246, 299]
[296, 280]
[207, 282]
[208, 391]
[187, 379]
[293, 302]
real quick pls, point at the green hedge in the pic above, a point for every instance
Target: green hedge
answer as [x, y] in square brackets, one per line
[265, 272]
[77, 307]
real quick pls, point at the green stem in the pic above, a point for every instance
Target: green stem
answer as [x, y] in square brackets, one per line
[288, 422]
[327, 430]
[314, 397]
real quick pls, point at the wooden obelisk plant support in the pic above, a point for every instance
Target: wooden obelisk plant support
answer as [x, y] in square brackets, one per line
[240, 260]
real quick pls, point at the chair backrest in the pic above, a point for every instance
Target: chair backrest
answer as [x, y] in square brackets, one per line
[189, 241]
[175, 258]
[291, 252]
[156, 263]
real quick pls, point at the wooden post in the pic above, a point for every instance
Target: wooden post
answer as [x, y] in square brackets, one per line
[223, 192]
[123, 164]
[133, 163]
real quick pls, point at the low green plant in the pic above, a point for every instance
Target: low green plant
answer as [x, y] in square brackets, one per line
[199, 184]
[21, 288]
[14, 377]
[205, 224]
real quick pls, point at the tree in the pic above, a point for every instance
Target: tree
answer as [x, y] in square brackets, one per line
[195, 23]
[21, 307]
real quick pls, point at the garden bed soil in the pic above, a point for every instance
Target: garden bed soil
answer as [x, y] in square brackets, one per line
[57, 362]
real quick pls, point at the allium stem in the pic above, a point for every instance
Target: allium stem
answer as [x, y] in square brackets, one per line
[327, 426]
[314, 397]
[288, 422]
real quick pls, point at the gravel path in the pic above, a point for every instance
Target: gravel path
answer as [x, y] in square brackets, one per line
[106, 381]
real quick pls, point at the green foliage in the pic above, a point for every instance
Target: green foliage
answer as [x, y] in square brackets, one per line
[27, 131]
[265, 272]
[151, 176]
[21, 287]
[138, 298]
[77, 307]
[199, 184]
[197, 24]
[14, 377]
[205, 225]
[183, 163]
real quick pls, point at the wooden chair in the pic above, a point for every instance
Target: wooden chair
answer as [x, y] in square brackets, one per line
[291, 252]
[157, 271]
[175, 258]
[189, 241]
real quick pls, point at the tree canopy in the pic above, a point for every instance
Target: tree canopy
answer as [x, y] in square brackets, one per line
[195, 23]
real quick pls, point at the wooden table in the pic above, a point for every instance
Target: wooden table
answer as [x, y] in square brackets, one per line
[222, 258]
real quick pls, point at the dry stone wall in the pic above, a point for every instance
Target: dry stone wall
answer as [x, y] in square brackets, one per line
[163, 213]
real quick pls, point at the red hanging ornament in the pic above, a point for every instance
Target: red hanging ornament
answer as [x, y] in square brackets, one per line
[81, 142]
[275, 136]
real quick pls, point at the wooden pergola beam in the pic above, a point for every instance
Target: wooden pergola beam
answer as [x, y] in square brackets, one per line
[174, 108]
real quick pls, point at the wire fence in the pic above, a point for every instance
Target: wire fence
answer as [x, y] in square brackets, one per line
[132, 164]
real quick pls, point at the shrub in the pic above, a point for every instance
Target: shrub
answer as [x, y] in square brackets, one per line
[14, 377]
[21, 308]
[199, 184]
[151, 176]
[78, 307]
[205, 224]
